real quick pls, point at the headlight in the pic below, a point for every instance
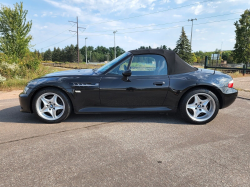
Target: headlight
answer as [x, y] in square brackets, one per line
[25, 90]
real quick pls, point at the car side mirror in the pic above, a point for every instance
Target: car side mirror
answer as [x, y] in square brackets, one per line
[127, 73]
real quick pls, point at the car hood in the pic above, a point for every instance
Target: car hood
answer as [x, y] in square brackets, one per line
[71, 73]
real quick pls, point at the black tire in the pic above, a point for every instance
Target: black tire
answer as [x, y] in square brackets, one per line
[65, 99]
[190, 94]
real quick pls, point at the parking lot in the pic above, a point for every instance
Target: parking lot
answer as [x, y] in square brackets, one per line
[125, 150]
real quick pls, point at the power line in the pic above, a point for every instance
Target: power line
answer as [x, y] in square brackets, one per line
[165, 23]
[146, 30]
[55, 35]
[164, 28]
[152, 12]
[179, 26]
[59, 42]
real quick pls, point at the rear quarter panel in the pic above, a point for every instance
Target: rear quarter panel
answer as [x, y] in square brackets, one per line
[182, 83]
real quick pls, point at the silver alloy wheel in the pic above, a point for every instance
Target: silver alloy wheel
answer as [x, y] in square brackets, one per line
[50, 106]
[200, 107]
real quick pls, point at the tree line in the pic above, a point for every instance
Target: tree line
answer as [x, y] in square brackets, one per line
[69, 54]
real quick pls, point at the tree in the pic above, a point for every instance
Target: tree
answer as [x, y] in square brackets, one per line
[47, 55]
[56, 55]
[183, 48]
[241, 53]
[193, 58]
[14, 30]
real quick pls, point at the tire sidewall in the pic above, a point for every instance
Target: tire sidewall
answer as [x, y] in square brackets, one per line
[188, 96]
[66, 101]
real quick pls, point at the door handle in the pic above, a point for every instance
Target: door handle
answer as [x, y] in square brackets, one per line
[159, 83]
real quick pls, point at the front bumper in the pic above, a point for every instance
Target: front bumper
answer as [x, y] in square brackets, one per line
[229, 97]
[24, 103]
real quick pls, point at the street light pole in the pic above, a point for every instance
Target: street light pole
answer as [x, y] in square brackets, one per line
[114, 42]
[191, 32]
[86, 49]
[90, 56]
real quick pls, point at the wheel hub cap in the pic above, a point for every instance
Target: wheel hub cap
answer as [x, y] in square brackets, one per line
[50, 106]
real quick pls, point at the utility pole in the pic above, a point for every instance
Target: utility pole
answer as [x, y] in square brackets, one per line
[114, 42]
[191, 32]
[90, 56]
[86, 49]
[221, 49]
[78, 56]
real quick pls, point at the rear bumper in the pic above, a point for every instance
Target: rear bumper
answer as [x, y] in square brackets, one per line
[229, 97]
[24, 103]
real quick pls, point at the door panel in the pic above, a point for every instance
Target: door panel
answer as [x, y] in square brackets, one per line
[137, 91]
[146, 87]
[86, 92]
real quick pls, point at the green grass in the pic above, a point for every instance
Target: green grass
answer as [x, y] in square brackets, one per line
[20, 83]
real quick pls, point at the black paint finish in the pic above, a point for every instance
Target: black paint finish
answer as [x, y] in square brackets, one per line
[91, 92]
[137, 91]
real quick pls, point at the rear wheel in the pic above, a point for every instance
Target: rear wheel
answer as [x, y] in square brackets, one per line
[51, 105]
[199, 106]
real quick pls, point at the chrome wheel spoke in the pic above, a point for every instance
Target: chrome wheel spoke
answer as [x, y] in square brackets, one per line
[44, 109]
[45, 101]
[196, 99]
[191, 106]
[205, 110]
[196, 113]
[205, 102]
[59, 107]
[53, 113]
[54, 99]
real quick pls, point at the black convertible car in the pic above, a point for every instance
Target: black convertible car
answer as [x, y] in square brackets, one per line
[152, 80]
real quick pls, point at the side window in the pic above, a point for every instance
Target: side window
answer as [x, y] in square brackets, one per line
[120, 68]
[144, 65]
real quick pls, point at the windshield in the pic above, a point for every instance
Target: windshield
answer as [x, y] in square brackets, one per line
[113, 62]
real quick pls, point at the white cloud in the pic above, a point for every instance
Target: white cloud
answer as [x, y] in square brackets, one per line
[201, 30]
[64, 6]
[44, 27]
[152, 6]
[165, 1]
[179, 1]
[107, 6]
[197, 9]
[35, 15]
[177, 16]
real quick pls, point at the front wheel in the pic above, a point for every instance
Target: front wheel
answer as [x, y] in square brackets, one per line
[199, 106]
[51, 105]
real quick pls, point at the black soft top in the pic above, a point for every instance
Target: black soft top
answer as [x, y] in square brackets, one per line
[175, 64]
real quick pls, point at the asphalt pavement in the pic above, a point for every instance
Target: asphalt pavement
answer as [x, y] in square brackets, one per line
[125, 150]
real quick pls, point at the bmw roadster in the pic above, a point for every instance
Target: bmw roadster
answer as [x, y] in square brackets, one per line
[152, 80]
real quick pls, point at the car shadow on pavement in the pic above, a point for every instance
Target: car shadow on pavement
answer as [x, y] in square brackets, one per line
[13, 115]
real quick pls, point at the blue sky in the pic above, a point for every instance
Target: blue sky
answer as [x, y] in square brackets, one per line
[138, 22]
